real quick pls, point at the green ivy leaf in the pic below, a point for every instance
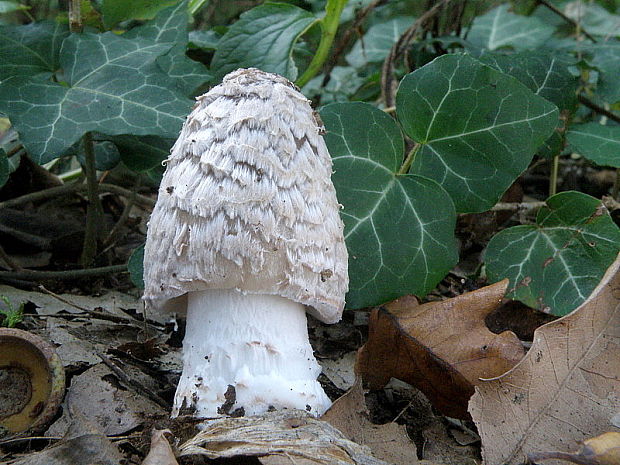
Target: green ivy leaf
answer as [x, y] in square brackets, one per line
[113, 86]
[4, 168]
[170, 27]
[399, 229]
[31, 50]
[115, 11]
[598, 143]
[555, 264]
[606, 57]
[545, 74]
[141, 153]
[376, 43]
[264, 38]
[594, 18]
[135, 266]
[478, 128]
[500, 28]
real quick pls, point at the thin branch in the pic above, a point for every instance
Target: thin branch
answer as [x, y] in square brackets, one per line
[514, 206]
[129, 382]
[30, 275]
[77, 187]
[94, 211]
[9, 261]
[342, 44]
[570, 21]
[597, 108]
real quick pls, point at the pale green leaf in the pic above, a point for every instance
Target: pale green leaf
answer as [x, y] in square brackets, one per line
[9, 6]
[555, 264]
[593, 18]
[598, 143]
[399, 229]
[500, 28]
[142, 153]
[606, 57]
[478, 128]
[375, 44]
[263, 38]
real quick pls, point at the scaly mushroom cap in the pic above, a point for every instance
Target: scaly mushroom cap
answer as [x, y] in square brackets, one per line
[247, 201]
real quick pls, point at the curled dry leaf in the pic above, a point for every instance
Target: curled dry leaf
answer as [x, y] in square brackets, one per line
[601, 450]
[442, 348]
[566, 389]
[161, 453]
[292, 433]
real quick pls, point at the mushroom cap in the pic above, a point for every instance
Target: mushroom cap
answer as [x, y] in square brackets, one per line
[247, 201]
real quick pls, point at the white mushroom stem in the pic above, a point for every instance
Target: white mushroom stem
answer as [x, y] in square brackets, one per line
[258, 344]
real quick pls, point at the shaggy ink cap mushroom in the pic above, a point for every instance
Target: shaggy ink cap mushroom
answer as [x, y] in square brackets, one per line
[246, 235]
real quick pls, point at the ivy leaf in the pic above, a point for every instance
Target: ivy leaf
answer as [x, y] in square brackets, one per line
[170, 27]
[141, 153]
[135, 266]
[115, 11]
[594, 18]
[545, 74]
[376, 43]
[500, 28]
[264, 38]
[598, 143]
[606, 57]
[113, 86]
[31, 50]
[555, 264]
[4, 168]
[478, 129]
[399, 229]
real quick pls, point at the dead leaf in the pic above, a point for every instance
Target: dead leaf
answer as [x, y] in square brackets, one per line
[83, 444]
[601, 450]
[442, 348]
[98, 396]
[566, 389]
[388, 442]
[285, 433]
[161, 452]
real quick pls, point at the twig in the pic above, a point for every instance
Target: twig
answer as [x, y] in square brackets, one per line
[388, 82]
[77, 187]
[29, 438]
[31, 275]
[342, 44]
[94, 212]
[597, 108]
[123, 218]
[9, 261]
[514, 207]
[571, 21]
[132, 382]
[553, 179]
[42, 288]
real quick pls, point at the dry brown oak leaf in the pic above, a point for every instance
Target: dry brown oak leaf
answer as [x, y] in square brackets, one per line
[565, 390]
[442, 348]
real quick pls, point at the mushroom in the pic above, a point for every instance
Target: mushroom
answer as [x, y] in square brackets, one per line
[246, 235]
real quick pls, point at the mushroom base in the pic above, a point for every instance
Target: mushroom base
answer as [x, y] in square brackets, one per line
[245, 354]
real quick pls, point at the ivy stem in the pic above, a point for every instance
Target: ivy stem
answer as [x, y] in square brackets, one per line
[75, 16]
[404, 169]
[553, 180]
[329, 27]
[616, 187]
[94, 212]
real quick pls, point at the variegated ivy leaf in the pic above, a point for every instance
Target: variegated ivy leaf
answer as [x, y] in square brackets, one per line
[399, 229]
[477, 128]
[555, 264]
[111, 85]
